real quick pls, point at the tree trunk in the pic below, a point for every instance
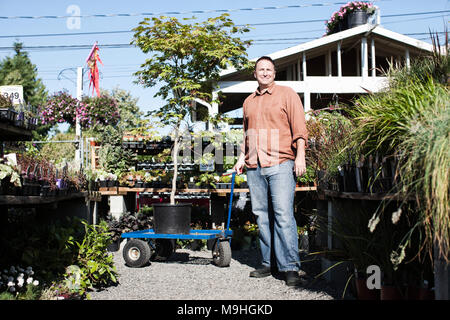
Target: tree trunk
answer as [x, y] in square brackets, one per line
[176, 146]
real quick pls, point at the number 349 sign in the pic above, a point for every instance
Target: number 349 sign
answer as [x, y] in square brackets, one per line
[14, 93]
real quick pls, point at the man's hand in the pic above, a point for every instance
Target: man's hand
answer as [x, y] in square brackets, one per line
[300, 165]
[300, 162]
[239, 166]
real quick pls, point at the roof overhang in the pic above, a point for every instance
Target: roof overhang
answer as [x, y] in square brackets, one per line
[325, 41]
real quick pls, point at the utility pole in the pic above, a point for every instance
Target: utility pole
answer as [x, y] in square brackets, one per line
[78, 135]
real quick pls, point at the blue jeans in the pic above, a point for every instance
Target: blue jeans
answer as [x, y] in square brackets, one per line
[272, 191]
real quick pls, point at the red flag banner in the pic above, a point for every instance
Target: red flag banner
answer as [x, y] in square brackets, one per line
[91, 61]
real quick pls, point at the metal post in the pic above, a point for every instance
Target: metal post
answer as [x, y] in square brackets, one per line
[339, 60]
[78, 136]
[304, 66]
[407, 59]
[364, 58]
[329, 64]
[372, 50]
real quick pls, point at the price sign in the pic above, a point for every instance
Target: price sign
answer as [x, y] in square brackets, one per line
[14, 93]
[208, 166]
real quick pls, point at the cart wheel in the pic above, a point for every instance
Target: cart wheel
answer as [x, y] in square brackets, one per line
[136, 253]
[163, 249]
[221, 253]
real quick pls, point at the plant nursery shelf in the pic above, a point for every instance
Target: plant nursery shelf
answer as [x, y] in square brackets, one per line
[125, 190]
[36, 200]
[9, 132]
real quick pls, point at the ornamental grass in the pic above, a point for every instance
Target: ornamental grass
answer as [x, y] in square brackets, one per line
[411, 121]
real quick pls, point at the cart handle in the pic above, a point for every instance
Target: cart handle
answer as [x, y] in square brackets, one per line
[231, 199]
[229, 174]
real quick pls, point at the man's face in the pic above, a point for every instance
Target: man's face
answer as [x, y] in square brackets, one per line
[264, 73]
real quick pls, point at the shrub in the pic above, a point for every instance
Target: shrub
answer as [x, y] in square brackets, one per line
[330, 134]
[94, 266]
[130, 222]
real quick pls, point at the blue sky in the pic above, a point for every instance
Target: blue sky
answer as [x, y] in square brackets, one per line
[121, 63]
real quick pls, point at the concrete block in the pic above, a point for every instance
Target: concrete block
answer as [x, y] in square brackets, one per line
[117, 206]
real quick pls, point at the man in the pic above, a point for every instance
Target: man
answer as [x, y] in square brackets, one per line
[273, 151]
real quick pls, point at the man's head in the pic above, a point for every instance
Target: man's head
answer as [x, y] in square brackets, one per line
[264, 72]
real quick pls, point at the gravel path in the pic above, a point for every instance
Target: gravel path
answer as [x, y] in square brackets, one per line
[190, 275]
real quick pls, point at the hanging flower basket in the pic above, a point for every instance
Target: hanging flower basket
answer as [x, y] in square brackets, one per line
[96, 111]
[352, 14]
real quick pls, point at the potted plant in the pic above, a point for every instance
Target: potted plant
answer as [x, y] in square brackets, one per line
[207, 180]
[126, 223]
[224, 182]
[239, 180]
[188, 67]
[330, 135]
[8, 176]
[350, 15]
[358, 13]
[250, 236]
[308, 179]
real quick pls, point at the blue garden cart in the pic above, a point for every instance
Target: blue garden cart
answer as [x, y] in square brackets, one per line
[144, 245]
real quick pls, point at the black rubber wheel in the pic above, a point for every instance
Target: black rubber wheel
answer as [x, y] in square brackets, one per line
[136, 253]
[163, 249]
[221, 253]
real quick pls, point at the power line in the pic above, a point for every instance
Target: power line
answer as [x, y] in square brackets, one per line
[322, 20]
[127, 45]
[64, 34]
[182, 12]
[250, 24]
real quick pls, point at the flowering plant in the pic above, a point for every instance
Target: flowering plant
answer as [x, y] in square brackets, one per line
[9, 171]
[102, 110]
[340, 15]
[62, 107]
[15, 279]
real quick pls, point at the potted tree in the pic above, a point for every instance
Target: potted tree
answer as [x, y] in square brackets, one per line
[186, 60]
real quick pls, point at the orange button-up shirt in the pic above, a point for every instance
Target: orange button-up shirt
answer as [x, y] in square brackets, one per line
[273, 122]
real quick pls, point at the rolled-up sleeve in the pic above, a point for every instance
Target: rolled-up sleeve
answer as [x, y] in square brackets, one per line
[244, 127]
[296, 118]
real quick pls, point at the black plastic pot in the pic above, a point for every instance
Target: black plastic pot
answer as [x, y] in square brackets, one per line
[4, 186]
[139, 184]
[357, 18]
[4, 114]
[173, 219]
[350, 179]
[113, 246]
[322, 182]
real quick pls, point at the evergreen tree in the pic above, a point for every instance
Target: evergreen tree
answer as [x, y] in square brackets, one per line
[19, 70]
